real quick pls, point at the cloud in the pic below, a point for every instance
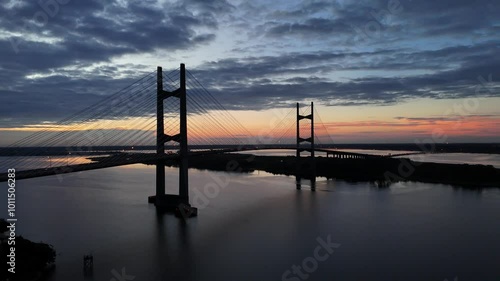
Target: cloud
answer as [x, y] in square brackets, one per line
[383, 20]
[93, 31]
[451, 128]
[274, 81]
[312, 26]
[52, 67]
[304, 51]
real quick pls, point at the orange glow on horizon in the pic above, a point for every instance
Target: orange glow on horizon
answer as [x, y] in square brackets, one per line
[201, 129]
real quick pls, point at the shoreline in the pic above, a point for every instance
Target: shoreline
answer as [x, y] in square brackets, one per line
[383, 170]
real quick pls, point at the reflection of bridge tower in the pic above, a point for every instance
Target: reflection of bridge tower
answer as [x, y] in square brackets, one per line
[299, 149]
[162, 200]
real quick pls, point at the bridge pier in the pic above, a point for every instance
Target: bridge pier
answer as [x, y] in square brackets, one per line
[160, 177]
[311, 150]
[298, 183]
[171, 202]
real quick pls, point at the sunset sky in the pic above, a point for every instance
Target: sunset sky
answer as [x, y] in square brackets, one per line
[378, 71]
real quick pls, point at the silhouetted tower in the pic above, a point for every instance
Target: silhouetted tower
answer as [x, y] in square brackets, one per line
[299, 149]
[161, 199]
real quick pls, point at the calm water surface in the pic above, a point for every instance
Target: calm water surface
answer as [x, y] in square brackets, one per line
[257, 226]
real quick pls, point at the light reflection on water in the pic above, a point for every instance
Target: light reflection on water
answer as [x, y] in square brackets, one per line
[37, 162]
[259, 225]
[364, 188]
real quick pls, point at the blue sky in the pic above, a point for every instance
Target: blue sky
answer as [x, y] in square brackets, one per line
[391, 62]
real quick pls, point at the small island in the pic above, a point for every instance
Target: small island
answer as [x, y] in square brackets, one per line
[382, 170]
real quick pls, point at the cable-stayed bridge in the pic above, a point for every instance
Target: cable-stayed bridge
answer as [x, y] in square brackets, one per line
[172, 111]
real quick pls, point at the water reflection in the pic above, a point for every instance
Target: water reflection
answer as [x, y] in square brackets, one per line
[173, 252]
[21, 163]
[259, 226]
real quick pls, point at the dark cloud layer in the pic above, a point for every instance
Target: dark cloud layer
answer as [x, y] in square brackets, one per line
[79, 34]
[433, 49]
[242, 80]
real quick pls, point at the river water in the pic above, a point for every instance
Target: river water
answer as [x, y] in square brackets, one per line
[259, 227]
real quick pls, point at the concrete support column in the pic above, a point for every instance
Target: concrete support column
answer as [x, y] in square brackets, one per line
[160, 132]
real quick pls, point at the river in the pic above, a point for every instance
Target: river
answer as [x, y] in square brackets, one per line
[259, 227]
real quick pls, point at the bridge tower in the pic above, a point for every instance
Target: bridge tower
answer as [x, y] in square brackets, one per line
[162, 200]
[311, 149]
